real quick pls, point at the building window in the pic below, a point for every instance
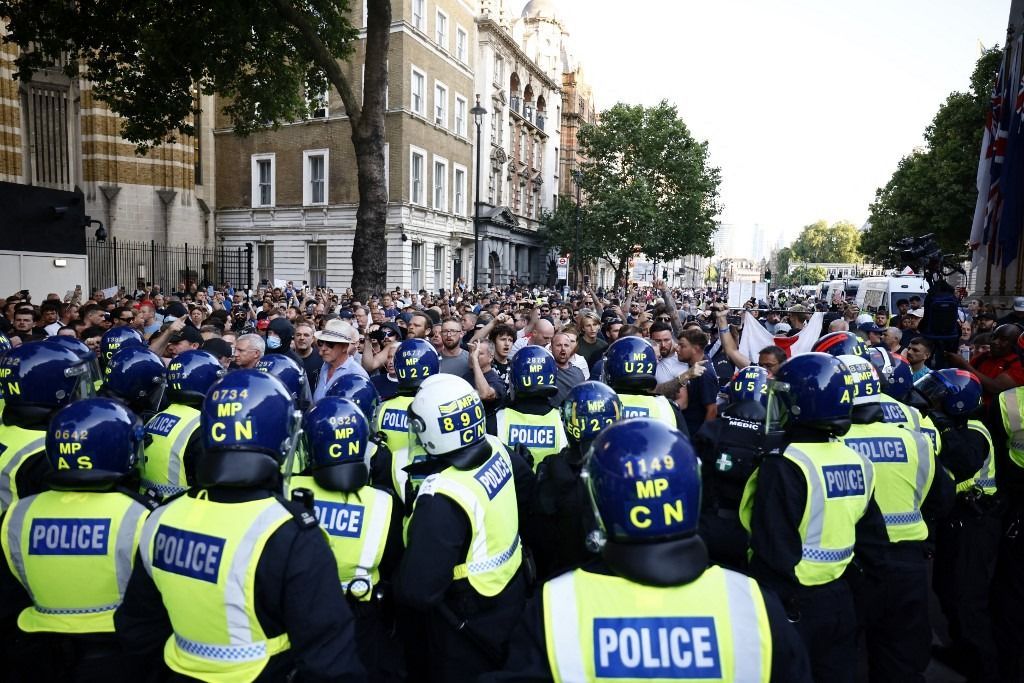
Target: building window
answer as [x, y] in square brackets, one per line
[460, 115]
[459, 187]
[536, 154]
[49, 136]
[438, 267]
[495, 187]
[522, 146]
[440, 184]
[263, 180]
[265, 261]
[499, 69]
[522, 199]
[419, 14]
[387, 170]
[317, 264]
[440, 104]
[417, 159]
[417, 266]
[419, 85]
[441, 30]
[314, 176]
[316, 100]
[461, 40]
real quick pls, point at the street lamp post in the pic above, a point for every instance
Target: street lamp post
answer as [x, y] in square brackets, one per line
[478, 113]
[576, 177]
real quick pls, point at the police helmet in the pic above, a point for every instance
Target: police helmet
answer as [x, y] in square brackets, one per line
[117, 338]
[248, 425]
[446, 415]
[643, 478]
[359, 390]
[79, 348]
[190, 375]
[956, 393]
[866, 385]
[92, 445]
[588, 408]
[40, 375]
[291, 374]
[630, 364]
[841, 344]
[5, 343]
[136, 376]
[812, 390]
[901, 379]
[532, 372]
[337, 434]
[749, 384]
[415, 361]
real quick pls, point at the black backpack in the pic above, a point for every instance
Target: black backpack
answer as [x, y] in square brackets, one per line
[941, 320]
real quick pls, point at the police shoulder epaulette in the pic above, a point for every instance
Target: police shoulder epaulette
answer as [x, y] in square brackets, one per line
[147, 500]
[302, 516]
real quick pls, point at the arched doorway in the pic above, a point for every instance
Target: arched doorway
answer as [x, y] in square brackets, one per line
[493, 268]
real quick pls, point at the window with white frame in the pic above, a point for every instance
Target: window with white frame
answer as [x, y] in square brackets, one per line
[460, 115]
[499, 69]
[417, 162]
[522, 146]
[536, 154]
[441, 29]
[440, 184]
[316, 100]
[461, 41]
[419, 14]
[263, 171]
[314, 176]
[438, 267]
[440, 104]
[317, 264]
[418, 89]
[417, 266]
[459, 188]
[265, 261]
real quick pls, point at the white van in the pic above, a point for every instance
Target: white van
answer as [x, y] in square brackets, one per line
[886, 291]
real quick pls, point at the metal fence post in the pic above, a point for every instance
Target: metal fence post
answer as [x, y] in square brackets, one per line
[113, 241]
[248, 263]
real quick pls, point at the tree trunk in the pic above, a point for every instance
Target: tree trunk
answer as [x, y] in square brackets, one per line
[621, 269]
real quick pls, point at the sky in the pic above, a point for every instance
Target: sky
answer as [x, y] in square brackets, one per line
[807, 105]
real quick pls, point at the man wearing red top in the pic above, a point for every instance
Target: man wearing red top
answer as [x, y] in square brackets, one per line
[1000, 368]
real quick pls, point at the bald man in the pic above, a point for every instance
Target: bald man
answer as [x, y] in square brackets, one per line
[543, 331]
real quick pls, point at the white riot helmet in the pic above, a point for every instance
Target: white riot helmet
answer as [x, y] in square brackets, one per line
[446, 415]
[867, 387]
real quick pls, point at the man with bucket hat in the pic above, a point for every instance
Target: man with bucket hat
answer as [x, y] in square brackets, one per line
[335, 343]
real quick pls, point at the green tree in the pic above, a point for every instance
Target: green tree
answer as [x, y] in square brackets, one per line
[648, 188]
[802, 275]
[780, 263]
[149, 59]
[559, 231]
[933, 189]
[824, 243]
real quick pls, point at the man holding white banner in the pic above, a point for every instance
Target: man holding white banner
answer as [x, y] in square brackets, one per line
[757, 342]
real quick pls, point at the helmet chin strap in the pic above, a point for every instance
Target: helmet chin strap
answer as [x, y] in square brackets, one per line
[293, 443]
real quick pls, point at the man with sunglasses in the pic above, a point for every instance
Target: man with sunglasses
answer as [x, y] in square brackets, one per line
[335, 344]
[305, 349]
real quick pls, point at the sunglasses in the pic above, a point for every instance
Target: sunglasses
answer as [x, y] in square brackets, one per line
[328, 344]
[664, 318]
[127, 320]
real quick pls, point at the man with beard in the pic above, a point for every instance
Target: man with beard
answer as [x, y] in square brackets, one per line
[454, 358]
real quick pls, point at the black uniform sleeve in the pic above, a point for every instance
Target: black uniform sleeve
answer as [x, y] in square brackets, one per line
[527, 653]
[963, 452]
[872, 537]
[141, 622]
[774, 526]
[789, 656]
[193, 449]
[525, 479]
[380, 466]
[31, 475]
[394, 544]
[941, 496]
[680, 420]
[438, 537]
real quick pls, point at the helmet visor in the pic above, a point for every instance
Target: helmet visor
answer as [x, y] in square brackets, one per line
[932, 388]
[85, 380]
[780, 406]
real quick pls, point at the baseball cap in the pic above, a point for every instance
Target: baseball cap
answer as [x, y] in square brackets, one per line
[187, 333]
[870, 327]
[916, 312]
[798, 308]
[1018, 304]
[218, 347]
[175, 310]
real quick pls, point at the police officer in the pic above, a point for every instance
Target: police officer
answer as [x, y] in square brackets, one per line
[292, 375]
[232, 581]
[629, 368]
[908, 493]
[136, 377]
[841, 344]
[364, 525]
[415, 361]
[651, 606]
[966, 545]
[71, 548]
[117, 338]
[559, 518]
[36, 379]
[806, 509]
[172, 435]
[730, 449]
[529, 420]
[1008, 584]
[463, 564]
[5, 346]
[897, 382]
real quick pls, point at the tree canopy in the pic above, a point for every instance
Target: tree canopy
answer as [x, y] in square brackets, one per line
[802, 275]
[824, 243]
[149, 60]
[934, 188]
[648, 188]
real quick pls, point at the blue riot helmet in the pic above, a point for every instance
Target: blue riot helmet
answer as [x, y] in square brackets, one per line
[866, 386]
[841, 344]
[532, 372]
[415, 360]
[79, 348]
[117, 338]
[643, 478]
[190, 375]
[901, 380]
[337, 434]
[42, 376]
[92, 445]
[955, 393]
[812, 391]
[291, 374]
[136, 376]
[359, 390]
[749, 384]
[588, 408]
[249, 427]
[630, 364]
